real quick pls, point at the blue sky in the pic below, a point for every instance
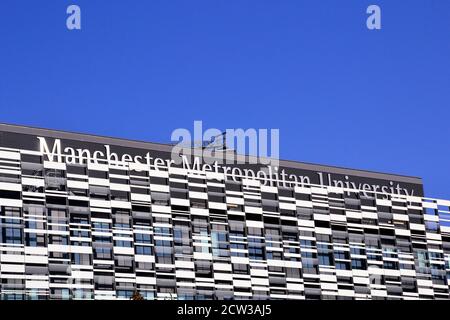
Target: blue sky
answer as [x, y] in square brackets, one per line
[340, 94]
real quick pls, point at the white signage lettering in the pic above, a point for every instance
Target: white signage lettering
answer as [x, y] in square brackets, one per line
[269, 175]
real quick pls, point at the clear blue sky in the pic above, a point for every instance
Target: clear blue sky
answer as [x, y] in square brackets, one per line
[340, 94]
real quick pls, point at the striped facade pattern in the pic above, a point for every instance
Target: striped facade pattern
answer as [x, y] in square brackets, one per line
[103, 231]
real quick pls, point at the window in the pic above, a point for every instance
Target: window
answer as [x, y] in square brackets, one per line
[32, 167]
[292, 273]
[55, 180]
[35, 240]
[181, 235]
[123, 243]
[257, 252]
[81, 259]
[80, 233]
[422, 258]
[63, 294]
[75, 169]
[326, 259]
[143, 238]
[101, 193]
[58, 239]
[102, 253]
[78, 192]
[219, 242]
[79, 219]
[122, 220]
[431, 226]
[240, 268]
[82, 294]
[124, 263]
[102, 239]
[342, 266]
[124, 294]
[359, 264]
[306, 243]
[12, 235]
[162, 231]
[57, 214]
[98, 174]
[160, 198]
[159, 180]
[356, 251]
[119, 195]
[409, 284]
[303, 196]
[435, 256]
[390, 265]
[101, 226]
[9, 194]
[309, 265]
[338, 254]
[216, 198]
[203, 269]
[199, 203]
[290, 236]
[163, 252]
[144, 250]
[232, 186]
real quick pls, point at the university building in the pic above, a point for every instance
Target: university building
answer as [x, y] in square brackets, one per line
[89, 217]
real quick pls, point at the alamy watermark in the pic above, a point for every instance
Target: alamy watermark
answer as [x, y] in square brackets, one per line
[232, 146]
[373, 22]
[73, 21]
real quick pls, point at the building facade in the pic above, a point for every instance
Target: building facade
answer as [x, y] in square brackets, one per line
[88, 217]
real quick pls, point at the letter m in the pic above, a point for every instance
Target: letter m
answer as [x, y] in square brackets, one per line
[56, 150]
[238, 138]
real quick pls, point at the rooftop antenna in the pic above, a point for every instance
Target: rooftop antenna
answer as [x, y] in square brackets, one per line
[218, 143]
